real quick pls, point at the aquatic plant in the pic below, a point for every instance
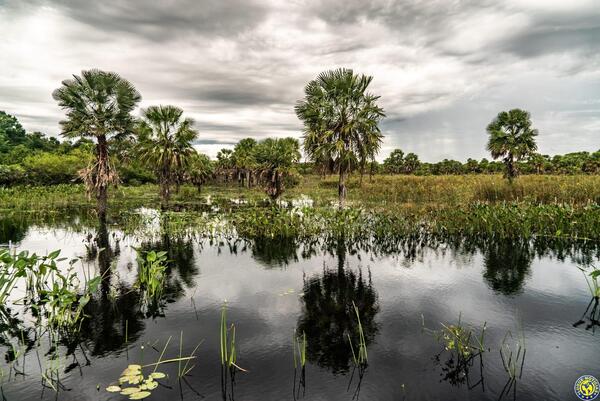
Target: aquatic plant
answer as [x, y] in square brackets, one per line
[360, 358]
[299, 349]
[52, 291]
[593, 280]
[135, 384]
[152, 266]
[227, 341]
[513, 360]
[464, 346]
[10, 272]
[459, 338]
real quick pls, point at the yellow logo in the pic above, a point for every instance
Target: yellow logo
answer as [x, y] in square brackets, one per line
[587, 388]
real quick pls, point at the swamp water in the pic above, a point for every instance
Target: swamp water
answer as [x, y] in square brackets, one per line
[531, 296]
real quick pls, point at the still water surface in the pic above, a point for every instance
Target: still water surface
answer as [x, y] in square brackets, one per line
[274, 288]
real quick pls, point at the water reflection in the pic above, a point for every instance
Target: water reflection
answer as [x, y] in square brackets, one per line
[507, 264]
[327, 316]
[591, 316]
[12, 230]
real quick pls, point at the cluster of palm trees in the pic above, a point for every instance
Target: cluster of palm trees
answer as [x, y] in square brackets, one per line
[269, 161]
[99, 105]
[341, 134]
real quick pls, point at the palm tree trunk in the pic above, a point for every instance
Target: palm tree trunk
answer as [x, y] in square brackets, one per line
[362, 173]
[165, 191]
[102, 177]
[342, 187]
[510, 167]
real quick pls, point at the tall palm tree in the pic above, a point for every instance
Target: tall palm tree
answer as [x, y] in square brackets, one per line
[165, 140]
[98, 105]
[340, 121]
[511, 138]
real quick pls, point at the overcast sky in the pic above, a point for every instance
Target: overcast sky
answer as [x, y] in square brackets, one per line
[443, 68]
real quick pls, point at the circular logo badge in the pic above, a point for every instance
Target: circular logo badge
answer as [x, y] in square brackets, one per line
[587, 388]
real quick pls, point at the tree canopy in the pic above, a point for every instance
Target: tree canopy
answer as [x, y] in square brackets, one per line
[341, 122]
[512, 138]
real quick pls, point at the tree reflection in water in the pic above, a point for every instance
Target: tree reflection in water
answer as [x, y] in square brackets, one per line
[507, 263]
[328, 317]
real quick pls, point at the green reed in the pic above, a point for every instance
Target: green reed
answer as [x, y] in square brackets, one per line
[299, 349]
[360, 357]
[227, 341]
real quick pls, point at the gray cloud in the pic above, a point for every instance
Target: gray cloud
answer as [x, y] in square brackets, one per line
[443, 68]
[159, 20]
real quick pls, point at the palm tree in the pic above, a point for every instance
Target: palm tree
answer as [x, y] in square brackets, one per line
[165, 140]
[98, 105]
[243, 159]
[200, 170]
[340, 121]
[276, 159]
[512, 138]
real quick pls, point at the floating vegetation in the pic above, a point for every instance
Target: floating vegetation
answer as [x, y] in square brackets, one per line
[360, 358]
[135, 384]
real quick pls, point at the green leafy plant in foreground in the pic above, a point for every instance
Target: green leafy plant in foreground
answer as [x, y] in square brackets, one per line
[53, 293]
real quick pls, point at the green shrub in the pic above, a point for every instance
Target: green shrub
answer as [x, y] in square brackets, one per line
[49, 168]
[11, 174]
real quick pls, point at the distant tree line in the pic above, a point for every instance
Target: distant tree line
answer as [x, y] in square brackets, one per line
[105, 144]
[36, 159]
[570, 163]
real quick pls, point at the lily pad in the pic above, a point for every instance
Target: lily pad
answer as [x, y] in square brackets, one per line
[140, 395]
[157, 375]
[151, 385]
[130, 390]
[113, 389]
